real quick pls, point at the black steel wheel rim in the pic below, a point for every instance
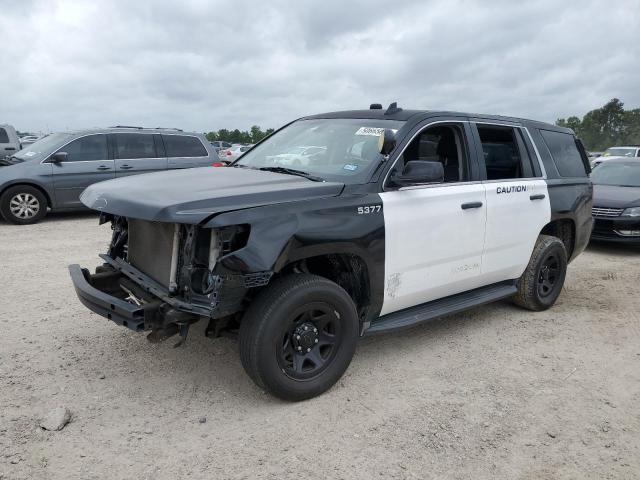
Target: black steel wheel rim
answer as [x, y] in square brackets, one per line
[549, 275]
[311, 340]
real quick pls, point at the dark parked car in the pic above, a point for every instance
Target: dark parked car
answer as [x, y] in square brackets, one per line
[53, 172]
[616, 201]
[403, 217]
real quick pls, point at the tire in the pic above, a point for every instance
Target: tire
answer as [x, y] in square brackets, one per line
[542, 281]
[23, 205]
[273, 337]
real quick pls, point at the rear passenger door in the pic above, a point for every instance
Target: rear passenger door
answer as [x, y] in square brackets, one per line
[517, 199]
[185, 151]
[138, 153]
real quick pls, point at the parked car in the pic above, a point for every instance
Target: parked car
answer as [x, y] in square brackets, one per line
[605, 159]
[298, 264]
[629, 151]
[616, 201]
[299, 156]
[233, 153]
[220, 145]
[9, 141]
[53, 172]
[28, 140]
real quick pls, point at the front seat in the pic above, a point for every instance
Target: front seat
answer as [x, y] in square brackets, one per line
[448, 154]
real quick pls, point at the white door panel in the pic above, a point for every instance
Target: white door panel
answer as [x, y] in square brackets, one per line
[514, 221]
[433, 248]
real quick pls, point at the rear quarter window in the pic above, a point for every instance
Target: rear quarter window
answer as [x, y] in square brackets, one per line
[564, 152]
[4, 136]
[183, 146]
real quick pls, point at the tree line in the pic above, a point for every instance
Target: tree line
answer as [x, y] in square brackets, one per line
[254, 135]
[607, 126]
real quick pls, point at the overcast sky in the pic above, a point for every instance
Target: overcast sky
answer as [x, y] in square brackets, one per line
[203, 65]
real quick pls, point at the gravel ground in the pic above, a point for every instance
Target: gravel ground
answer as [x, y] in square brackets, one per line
[496, 392]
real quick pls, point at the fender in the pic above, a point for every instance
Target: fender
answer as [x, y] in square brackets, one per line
[283, 234]
[573, 201]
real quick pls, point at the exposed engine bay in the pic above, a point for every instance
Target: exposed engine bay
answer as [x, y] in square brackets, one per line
[176, 274]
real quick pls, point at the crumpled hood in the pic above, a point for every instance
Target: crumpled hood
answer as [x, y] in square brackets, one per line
[616, 197]
[192, 195]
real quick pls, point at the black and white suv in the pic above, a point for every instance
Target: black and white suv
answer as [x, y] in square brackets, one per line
[404, 216]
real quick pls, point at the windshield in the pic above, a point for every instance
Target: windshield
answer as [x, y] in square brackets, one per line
[42, 147]
[344, 149]
[620, 174]
[619, 152]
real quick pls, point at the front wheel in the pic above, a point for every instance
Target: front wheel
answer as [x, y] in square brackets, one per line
[23, 205]
[542, 281]
[298, 336]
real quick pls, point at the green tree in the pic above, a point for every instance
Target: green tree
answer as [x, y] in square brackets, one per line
[254, 135]
[211, 136]
[606, 126]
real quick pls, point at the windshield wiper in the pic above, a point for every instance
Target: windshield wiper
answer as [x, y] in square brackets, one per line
[292, 171]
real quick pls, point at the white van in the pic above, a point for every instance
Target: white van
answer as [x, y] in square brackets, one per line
[9, 141]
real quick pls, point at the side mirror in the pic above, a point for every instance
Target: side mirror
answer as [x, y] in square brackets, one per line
[386, 141]
[417, 172]
[59, 157]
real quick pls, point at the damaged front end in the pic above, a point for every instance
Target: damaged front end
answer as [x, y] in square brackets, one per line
[163, 277]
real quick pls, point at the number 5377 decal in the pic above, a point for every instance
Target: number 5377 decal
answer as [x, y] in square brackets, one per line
[369, 209]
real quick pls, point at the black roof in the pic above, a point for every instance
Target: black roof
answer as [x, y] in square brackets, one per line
[418, 115]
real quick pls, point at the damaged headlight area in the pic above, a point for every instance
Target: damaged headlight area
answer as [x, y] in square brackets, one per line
[171, 275]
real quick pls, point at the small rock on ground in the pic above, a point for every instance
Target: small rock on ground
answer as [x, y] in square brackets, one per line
[56, 419]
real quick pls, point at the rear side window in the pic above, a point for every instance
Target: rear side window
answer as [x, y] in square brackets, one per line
[83, 149]
[565, 154]
[4, 137]
[135, 145]
[505, 156]
[183, 146]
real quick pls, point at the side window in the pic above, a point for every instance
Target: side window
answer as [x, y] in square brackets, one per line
[4, 136]
[135, 145]
[91, 147]
[565, 153]
[183, 146]
[505, 156]
[444, 144]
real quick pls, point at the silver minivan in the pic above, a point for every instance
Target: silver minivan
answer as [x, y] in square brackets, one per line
[53, 172]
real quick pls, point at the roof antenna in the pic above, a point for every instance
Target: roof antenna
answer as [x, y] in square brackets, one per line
[393, 108]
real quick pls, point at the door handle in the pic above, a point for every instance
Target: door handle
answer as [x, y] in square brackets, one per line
[540, 196]
[103, 167]
[9, 148]
[467, 206]
[125, 167]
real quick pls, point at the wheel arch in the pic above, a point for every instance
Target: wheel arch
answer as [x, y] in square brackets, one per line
[565, 230]
[38, 187]
[346, 267]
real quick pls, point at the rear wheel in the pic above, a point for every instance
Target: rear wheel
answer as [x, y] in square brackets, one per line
[298, 336]
[23, 205]
[542, 281]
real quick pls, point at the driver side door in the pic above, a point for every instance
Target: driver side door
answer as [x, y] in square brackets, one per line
[88, 162]
[434, 233]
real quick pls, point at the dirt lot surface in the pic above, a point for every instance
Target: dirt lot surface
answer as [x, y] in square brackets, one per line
[497, 392]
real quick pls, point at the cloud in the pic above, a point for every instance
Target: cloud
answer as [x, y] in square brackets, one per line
[201, 65]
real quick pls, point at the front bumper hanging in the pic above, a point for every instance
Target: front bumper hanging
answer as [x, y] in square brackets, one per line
[107, 305]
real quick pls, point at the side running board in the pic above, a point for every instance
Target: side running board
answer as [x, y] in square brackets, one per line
[438, 308]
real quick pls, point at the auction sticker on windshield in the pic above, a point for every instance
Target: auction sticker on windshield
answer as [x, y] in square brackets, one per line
[372, 131]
